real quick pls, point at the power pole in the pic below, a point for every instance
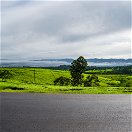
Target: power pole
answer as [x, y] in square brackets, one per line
[33, 75]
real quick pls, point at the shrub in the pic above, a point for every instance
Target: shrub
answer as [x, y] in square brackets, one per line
[91, 81]
[5, 74]
[62, 81]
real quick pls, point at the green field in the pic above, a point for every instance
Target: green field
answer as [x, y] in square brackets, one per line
[42, 80]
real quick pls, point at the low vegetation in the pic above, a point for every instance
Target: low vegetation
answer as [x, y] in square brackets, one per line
[43, 80]
[62, 81]
[78, 79]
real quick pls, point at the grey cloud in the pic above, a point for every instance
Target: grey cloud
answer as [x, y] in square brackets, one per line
[107, 17]
[29, 24]
[104, 18]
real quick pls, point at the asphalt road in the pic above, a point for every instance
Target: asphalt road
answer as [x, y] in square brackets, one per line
[26, 112]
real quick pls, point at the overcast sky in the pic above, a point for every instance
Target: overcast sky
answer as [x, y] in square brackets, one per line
[47, 29]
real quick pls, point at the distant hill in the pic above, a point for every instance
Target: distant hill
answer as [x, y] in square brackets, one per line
[67, 61]
[95, 60]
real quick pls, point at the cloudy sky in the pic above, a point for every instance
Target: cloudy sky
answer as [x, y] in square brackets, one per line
[62, 29]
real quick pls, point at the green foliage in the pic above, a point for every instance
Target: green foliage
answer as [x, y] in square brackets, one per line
[122, 70]
[76, 69]
[110, 70]
[5, 74]
[91, 81]
[126, 82]
[36, 88]
[22, 80]
[62, 81]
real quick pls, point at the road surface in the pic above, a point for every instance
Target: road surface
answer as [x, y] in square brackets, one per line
[26, 112]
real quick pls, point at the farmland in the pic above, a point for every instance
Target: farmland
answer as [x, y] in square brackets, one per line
[41, 80]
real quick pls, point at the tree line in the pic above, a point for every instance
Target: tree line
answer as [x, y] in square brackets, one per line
[92, 69]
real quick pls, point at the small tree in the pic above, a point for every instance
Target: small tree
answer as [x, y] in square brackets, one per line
[76, 69]
[5, 74]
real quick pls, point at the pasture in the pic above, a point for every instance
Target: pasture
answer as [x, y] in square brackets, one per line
[42, 81]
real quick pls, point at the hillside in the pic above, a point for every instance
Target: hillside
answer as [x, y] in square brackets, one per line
[42, 80]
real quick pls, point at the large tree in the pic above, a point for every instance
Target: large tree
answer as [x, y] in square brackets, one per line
[77, 68]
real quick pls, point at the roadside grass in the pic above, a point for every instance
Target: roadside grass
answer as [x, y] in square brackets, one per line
[36, 88]
[23, 81]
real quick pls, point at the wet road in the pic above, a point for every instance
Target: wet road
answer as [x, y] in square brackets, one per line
[26, 112]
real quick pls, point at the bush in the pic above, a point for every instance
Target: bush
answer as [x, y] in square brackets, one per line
[5, 74]
[62, 81]
[91, 81]
[125, 82]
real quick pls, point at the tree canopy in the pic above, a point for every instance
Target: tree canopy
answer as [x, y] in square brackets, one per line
[76, 69]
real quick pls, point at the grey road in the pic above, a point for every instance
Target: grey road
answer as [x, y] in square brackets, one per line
[26, 112]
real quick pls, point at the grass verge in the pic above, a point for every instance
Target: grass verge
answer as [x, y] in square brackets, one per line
[36, 88]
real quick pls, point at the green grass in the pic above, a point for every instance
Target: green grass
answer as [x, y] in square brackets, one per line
[23, 81]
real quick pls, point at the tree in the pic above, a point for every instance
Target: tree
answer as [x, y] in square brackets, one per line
[5, 74]
[76, 69]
